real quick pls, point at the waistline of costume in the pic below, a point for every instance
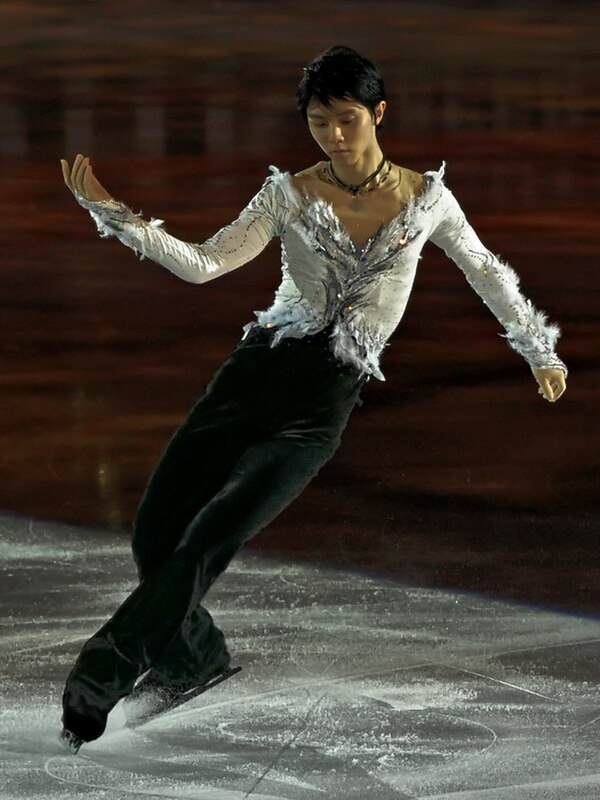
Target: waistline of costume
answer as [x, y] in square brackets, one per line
[320, 339]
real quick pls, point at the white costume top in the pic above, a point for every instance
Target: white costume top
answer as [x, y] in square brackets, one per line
[327, 278]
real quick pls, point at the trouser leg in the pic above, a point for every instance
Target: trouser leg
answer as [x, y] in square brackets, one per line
[267, 477]
[294, 391]
[230, 415]
[196, 652]
[192, 468]
[285, 410]
[195, 464]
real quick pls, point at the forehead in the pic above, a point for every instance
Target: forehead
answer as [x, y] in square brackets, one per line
[336, 107]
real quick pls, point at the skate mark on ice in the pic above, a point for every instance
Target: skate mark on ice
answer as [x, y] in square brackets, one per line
[577, 728]
[269, 768]
[199, 792]
[503, 683]
[499, 792]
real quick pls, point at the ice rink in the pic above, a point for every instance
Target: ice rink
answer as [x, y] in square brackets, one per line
[352, 686]
[414, 627]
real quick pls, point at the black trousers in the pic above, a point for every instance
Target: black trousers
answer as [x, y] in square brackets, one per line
[267, 421]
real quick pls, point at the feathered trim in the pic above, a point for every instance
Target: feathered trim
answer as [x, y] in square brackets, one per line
[539, 335]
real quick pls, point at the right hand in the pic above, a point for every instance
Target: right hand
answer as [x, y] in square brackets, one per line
[552, 382]
[80, 179]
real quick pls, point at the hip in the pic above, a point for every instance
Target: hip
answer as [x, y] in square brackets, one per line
[296, 377]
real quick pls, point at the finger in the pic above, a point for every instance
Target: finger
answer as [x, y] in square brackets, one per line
[74, 169]
[76, 162]
[556, 389]
[559, 386]
[66, 173]
[85, 167]
[547, 389]
[76, 173]
[85, 170]
[80, 173]
[88, 179]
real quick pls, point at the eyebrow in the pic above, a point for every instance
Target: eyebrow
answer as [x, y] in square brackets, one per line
[337, 113]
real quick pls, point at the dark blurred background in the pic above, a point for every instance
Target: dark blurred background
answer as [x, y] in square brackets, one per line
[454, 472]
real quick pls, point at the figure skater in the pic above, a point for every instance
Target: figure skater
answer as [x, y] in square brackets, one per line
[352, 228]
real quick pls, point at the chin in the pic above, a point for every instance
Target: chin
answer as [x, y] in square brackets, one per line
[340, 156]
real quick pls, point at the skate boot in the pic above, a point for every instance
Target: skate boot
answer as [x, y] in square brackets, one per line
[81, 725]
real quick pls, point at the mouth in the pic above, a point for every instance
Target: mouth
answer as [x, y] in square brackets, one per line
[339, 151]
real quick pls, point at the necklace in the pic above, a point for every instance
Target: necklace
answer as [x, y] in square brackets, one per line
[356, 189]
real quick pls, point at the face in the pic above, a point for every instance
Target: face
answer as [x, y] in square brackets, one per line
[346, 125]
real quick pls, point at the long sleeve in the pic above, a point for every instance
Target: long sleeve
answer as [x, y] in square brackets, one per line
[527, 328]
[232, 246]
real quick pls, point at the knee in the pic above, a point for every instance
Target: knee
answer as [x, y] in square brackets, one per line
[142, 558]
[145, 549]
[140, 533]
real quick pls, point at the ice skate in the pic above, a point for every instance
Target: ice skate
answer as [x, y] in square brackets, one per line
[151, 697]
[71, 741]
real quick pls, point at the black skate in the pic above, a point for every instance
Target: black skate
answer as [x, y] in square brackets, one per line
[150, 698]
[71, 741]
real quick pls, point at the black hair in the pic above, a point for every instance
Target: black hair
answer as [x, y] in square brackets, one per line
[341, 73]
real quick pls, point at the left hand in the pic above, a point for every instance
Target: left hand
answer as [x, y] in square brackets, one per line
[552, 382]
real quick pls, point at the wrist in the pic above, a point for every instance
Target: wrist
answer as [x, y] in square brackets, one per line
[562, 367]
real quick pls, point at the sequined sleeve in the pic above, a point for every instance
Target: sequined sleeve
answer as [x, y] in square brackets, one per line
[229, 248]
[527, 328]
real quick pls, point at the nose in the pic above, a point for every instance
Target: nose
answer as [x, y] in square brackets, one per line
[336, 135]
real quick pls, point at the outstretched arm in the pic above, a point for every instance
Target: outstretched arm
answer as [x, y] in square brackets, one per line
[229, 248]
[527, 328]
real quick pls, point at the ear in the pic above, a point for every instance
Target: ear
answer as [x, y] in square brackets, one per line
[379, 111]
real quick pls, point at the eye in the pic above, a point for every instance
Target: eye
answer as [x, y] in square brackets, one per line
[322, 124]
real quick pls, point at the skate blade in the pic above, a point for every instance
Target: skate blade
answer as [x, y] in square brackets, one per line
[183, 698]
[198, 690]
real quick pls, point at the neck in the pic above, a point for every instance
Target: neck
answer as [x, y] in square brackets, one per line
[355, 172]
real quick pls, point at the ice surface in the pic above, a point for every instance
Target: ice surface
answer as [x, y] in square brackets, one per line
[352, 687]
